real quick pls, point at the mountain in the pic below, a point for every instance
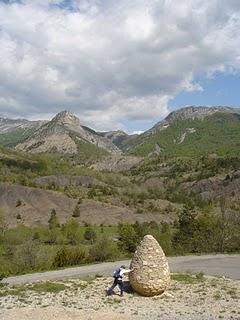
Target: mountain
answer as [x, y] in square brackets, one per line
[189, 113]
[189, 131]
[65, 134]
[192, 131]
[118, 137]
[15, 131]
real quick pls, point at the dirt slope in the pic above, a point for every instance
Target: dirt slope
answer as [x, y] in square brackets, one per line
[33, 205]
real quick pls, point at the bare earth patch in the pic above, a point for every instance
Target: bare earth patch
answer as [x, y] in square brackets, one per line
[190, 296]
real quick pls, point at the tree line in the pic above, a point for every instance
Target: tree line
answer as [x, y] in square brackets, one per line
[27, 249]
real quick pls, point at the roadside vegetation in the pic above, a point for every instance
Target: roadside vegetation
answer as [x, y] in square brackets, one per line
[29, 249]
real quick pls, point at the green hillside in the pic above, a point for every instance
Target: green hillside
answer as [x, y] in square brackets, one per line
[11, 139]
[219, 133]
[88, 152]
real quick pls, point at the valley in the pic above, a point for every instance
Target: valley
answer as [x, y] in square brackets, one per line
[67, 189]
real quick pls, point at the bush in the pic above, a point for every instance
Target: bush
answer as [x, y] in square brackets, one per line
[104, 249]
[76, 212]
[90, 234]
[26, 256]
[69, 256]
[53, 221]
[183, 239]
[18, 235]
[128, 238]
[71, 231]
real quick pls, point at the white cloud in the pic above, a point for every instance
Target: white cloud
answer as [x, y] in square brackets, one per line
[111, 61]
[137, 132]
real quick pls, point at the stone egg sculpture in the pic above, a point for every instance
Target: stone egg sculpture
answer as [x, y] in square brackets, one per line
[151, 274]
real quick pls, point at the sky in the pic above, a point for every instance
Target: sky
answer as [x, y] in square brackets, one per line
[117, 64]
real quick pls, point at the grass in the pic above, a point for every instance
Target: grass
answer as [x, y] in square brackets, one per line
[13, 291]
[51, 287]
[200, 276]
[42, 287]
[81, 286]
[233, 293]
[112, 301]
[214, 282]
[4, 293]
[188, 278]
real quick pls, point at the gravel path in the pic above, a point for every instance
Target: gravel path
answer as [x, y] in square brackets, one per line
[221, 265]
[189, 297]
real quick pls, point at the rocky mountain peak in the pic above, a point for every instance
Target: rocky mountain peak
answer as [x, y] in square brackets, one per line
[189, 113]
[195, 112]
[65, 134]
[66, 118]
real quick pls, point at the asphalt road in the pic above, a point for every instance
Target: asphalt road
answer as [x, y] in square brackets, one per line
[216, 265]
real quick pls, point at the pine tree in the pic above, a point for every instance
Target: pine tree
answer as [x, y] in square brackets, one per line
[53, 221]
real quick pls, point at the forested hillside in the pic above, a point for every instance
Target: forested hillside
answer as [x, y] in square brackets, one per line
[218, 133]
[59, 209]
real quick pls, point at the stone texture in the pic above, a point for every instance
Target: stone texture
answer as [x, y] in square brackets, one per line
[117, 163]
[151, 275]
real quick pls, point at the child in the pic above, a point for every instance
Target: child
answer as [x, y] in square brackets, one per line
[118, 280]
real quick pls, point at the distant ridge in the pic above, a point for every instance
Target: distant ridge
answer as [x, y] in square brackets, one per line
[191, 112]
[191, 131]
[64, 134]
[118, 137]
[14, 131]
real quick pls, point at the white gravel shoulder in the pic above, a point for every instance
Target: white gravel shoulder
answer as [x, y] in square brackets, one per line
[189, 298]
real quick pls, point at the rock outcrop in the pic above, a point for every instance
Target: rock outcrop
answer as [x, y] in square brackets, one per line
[68, 180]
[216, 187]
[117, 163]
[151, 275]
[65, 134]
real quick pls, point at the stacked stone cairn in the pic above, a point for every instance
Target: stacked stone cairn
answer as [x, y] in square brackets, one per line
[150, 275]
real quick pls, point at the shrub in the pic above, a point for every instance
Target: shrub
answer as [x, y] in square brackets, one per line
[71, 231]
[51, 287]
[104, 249]
[76, 212]
[26, 256]
[128, 238]
[183, 239]
[3, 225]
[18, 235]
[69, 256]
[53, 222]
[90, 234]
